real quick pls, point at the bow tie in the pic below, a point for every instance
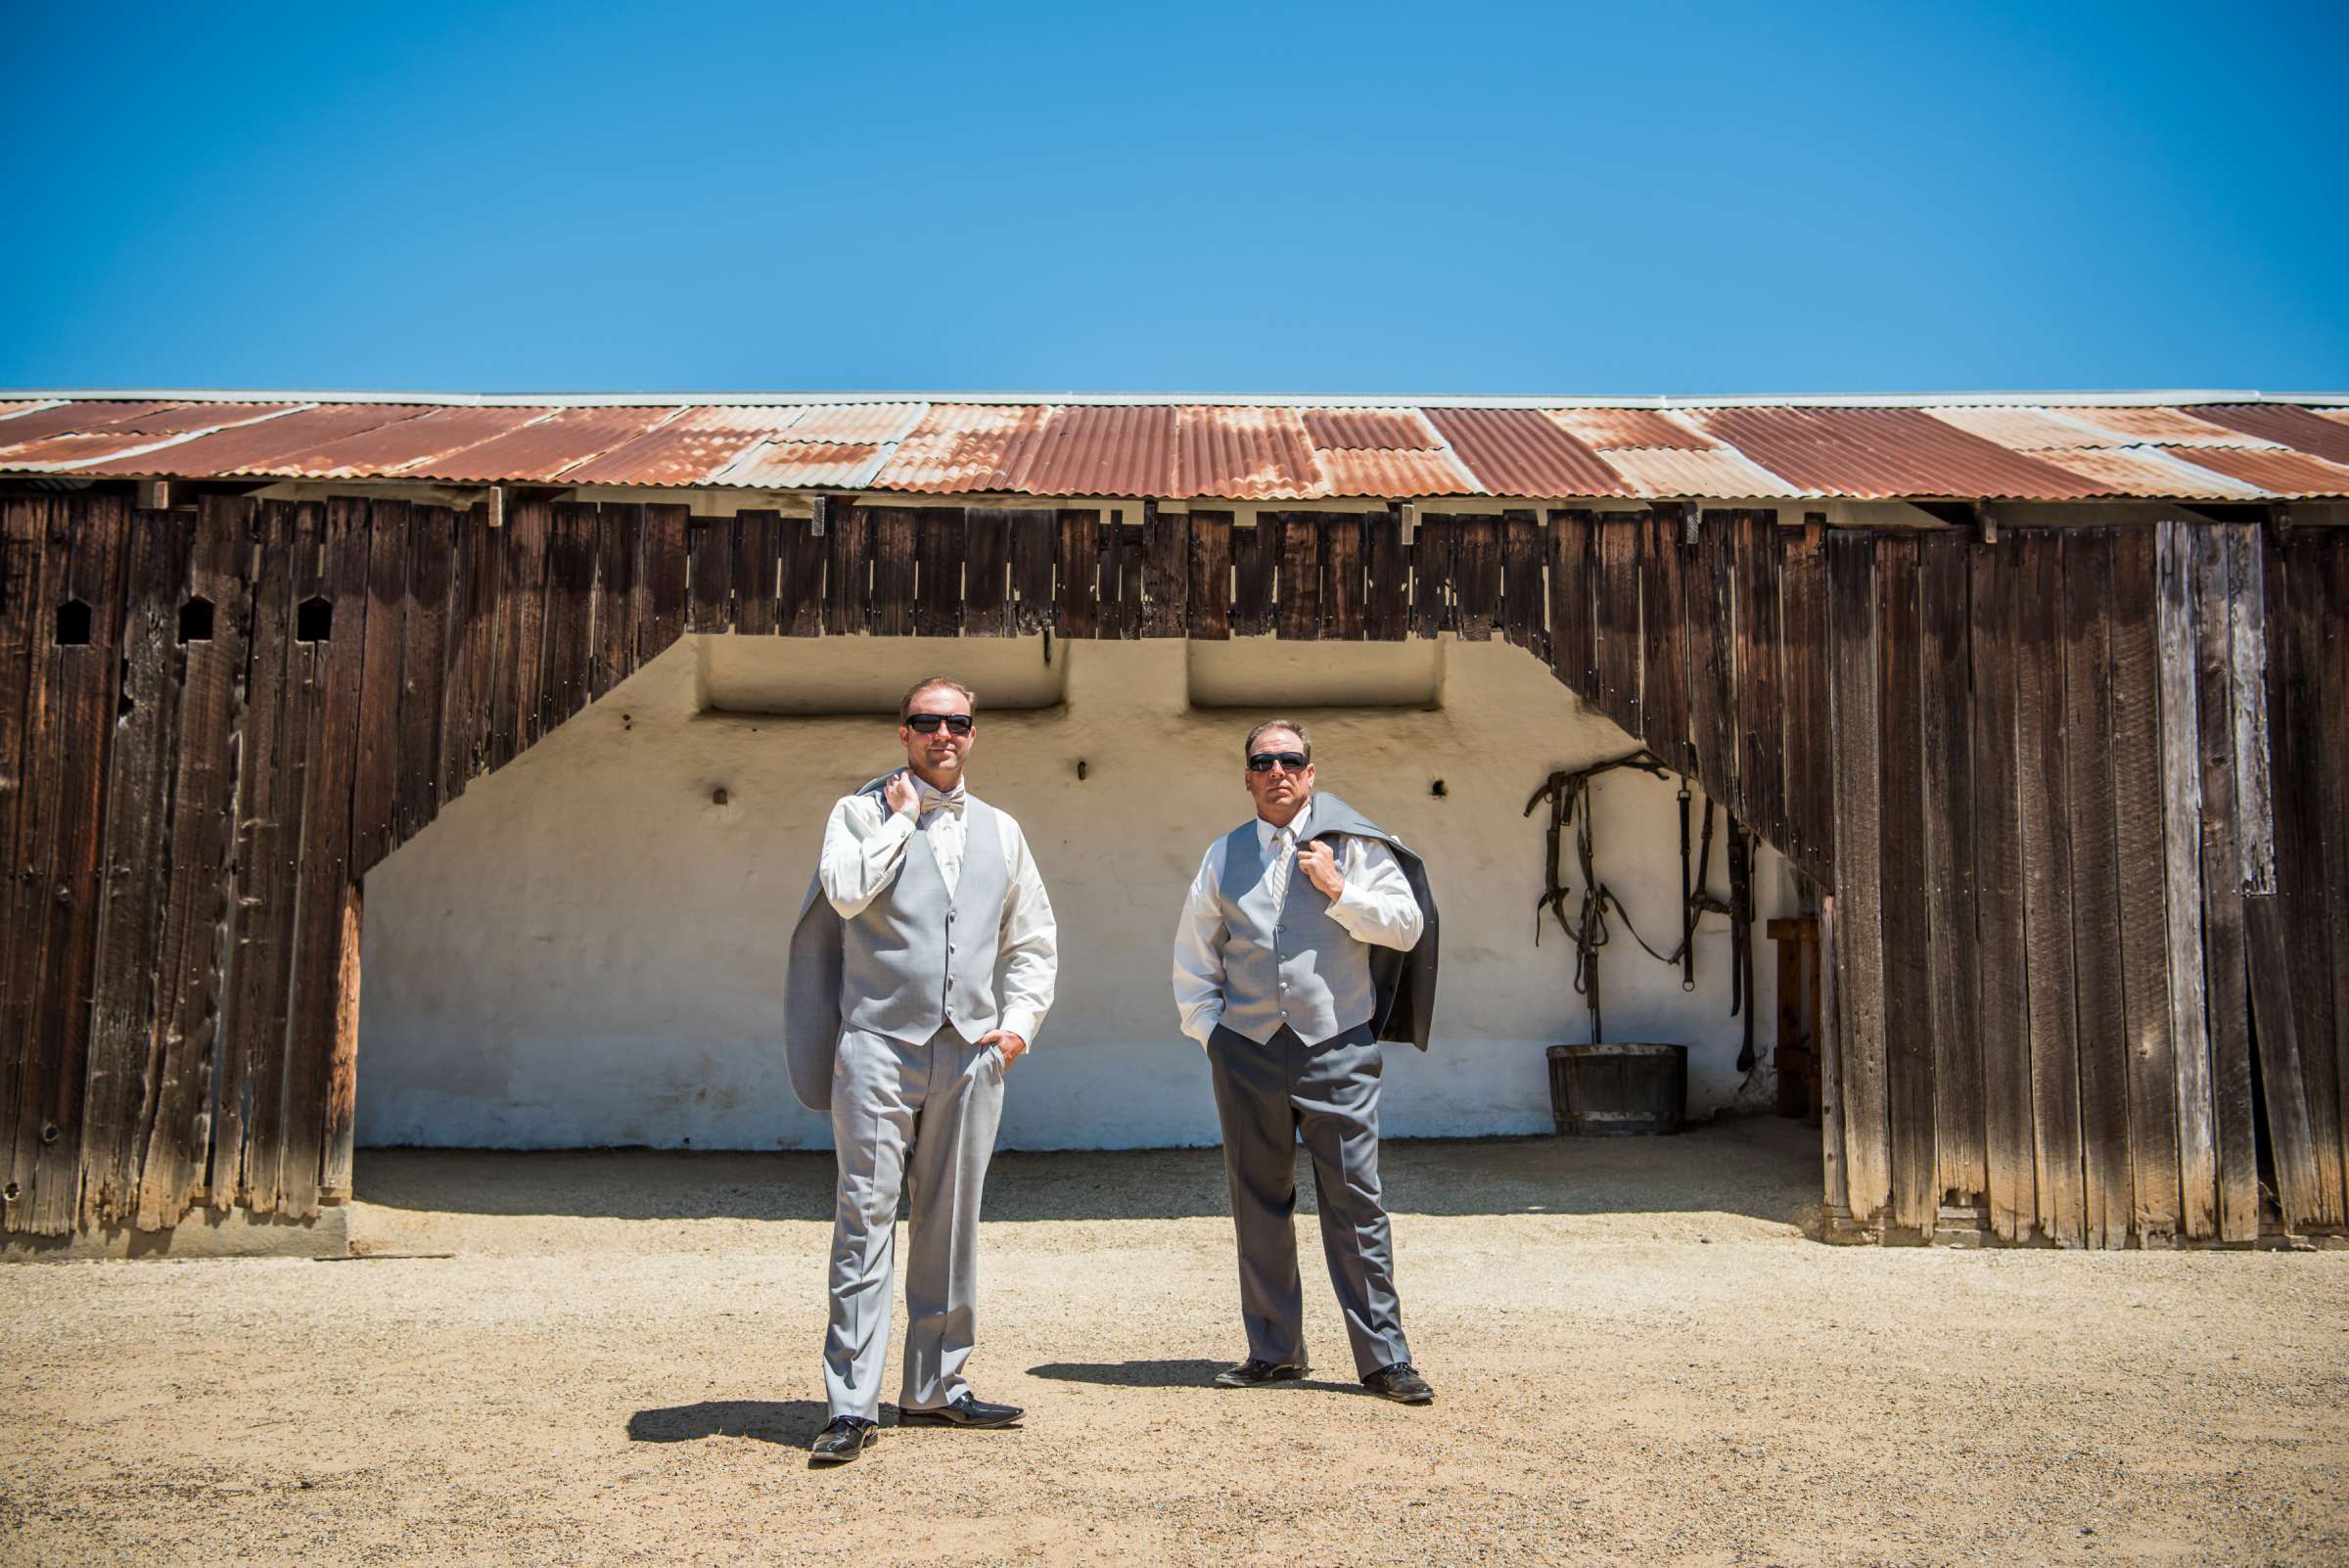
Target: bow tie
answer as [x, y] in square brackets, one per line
[932, 801]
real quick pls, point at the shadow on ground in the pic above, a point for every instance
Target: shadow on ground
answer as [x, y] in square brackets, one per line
[791, 1422]
[1759, 1166]
[1186, 1374]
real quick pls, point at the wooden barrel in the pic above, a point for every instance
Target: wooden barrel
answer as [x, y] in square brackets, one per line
[1598, 1091]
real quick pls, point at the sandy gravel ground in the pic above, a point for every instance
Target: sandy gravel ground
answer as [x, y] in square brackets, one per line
[1638, 1355]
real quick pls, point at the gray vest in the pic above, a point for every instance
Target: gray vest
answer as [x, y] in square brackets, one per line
[1286, 963]
[914, 957]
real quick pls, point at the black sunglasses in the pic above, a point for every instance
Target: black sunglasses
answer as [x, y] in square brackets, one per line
[927, 723]
[1294, 762]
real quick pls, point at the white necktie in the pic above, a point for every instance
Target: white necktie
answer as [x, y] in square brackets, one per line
[1284, 860]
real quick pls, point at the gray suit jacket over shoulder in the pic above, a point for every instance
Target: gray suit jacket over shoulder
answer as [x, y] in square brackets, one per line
[1406, 1008]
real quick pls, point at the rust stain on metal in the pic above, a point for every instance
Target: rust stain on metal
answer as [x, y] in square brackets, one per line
[1245, 454]
[856, 424]
[1882, 453]
[965, 449]
[1394, 474]
[41, 423]
[1394, 430]
[2292, 427]
[1523, 451]
[2031, 430]
[1610, 428]
[262, 449]
[2276, 471]
[2163, 427]
[786, 464]
[1712, 473]
[1104, 449]
[2152, 471]
[544, 449]
[683, 452]
[411, 444]
[76, 450]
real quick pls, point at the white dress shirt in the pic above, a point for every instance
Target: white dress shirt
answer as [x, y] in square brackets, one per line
[1376, 905]
[864, 844]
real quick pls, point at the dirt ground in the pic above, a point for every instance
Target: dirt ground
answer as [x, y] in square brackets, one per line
[1637, 1352]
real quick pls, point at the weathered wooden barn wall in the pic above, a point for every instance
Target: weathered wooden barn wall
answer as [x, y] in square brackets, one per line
[2090, 986]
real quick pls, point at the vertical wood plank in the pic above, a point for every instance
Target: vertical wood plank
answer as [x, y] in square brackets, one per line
[1077, 593]
[424, 667]
[2226, 945]
[800, 611]
[1034, 565]
[1301, 576]
[1342, 576]
[757, 571]
[2151, 1063]
[1946, 696]
[1524, 594]
[68, 743]
[2044, 772]
[1859, 970]
[342, 1052]
[1166, 571]
[1433, 551]
[1387, 617]
[987, 571]
[1616, 612]
[24, 617]
[1834, 1163]
[1810, 748]
[1761, 703]
[893, 570]
[1710, 621]
[937, 552]
[1253, 551]
[197, 891]
[2002, 1007]
[570, 612]
[619, 564]
[268, 845]
[1475, 577]
[472, 654]
[122, 1074]
[521, 635]
[2254, 790]
[2297, 911]
[668, 563]
[1908, 932]
[1573, 644]
[1664, 643]
[713, 552]
[1211, 576]
[337, 672]
[2180, 728]
[2098, 999]
[2324, 585]
[375, 798]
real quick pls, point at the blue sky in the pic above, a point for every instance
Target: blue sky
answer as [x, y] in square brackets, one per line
[1415, 199]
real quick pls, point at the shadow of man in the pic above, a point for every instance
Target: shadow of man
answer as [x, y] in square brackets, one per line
[1191, 1374]
[790, 1422]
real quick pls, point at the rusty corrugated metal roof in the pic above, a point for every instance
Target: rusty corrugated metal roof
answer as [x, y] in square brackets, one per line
[1885, 453]
[1244, 454]
[2090, 446]
[1521, 452]
[1610, 428]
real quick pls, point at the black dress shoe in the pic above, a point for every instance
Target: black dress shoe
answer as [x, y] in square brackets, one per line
[966, 1409]
[843, 1439]
[1255, 1373]
[1402, 1383]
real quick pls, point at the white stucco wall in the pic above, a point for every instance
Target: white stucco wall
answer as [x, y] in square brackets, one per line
[586, 949]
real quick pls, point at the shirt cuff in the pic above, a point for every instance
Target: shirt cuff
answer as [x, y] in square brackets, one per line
[1021, 1021]
[1203, 1028]
[1352, 908]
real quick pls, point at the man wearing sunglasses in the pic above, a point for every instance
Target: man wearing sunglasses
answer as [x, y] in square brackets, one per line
[893, 1022]
[1306, 938]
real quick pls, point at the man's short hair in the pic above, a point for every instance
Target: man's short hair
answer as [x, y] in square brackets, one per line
[1248, 747]
[906, 705]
